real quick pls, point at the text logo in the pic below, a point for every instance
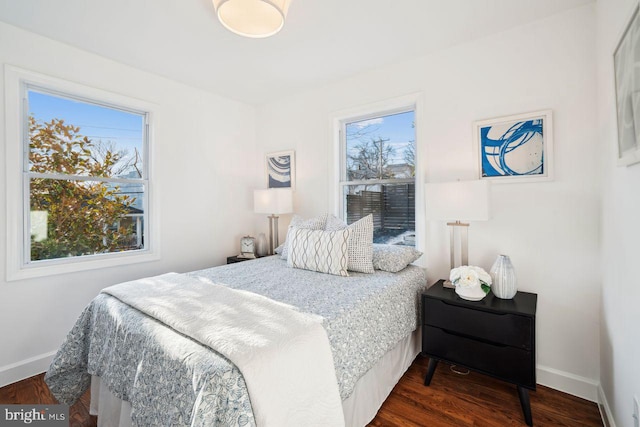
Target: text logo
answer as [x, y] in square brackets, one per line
[34, 415]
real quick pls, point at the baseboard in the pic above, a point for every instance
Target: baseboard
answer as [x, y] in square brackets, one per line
[605, 409]
[10, 374]
[576, 385]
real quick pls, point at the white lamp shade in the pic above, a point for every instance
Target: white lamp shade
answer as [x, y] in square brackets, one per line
[252, 18]
[273, 201]
[457, 201]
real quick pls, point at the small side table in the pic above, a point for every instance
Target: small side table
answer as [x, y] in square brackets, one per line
[493, 336]
[235, 258]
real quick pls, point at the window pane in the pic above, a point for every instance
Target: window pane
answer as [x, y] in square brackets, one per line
[74, 218]
[392, 206]
[381, 148]
[73, 137]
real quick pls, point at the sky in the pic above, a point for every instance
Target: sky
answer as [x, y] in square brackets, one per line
[97, 122]
[125, 129]
[398, 128]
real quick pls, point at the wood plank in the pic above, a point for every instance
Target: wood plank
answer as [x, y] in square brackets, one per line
[35, 391]
[476, 400]
[451, 400]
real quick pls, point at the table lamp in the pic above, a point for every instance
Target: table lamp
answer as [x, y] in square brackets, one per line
[456, 202]
[274, 201]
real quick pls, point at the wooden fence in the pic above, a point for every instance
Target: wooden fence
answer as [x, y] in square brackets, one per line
[393, 207]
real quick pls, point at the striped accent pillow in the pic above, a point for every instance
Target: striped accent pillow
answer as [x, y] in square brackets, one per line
[297, 221]
[360, 244]
[318, 250]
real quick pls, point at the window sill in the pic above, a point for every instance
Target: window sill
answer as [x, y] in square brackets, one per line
[78, 264]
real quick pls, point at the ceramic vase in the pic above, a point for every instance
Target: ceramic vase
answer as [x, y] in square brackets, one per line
[504, 278]
[262, 247]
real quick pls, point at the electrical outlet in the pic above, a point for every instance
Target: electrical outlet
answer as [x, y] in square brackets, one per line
[636, 412]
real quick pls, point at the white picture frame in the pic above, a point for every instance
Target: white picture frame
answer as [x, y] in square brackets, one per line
[626, 60]
[281, 169]
[517, 148]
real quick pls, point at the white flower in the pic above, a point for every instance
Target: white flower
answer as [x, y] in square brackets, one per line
[469, 276]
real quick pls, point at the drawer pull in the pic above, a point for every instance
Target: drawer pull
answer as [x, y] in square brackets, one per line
[469, 308]
[458, 334]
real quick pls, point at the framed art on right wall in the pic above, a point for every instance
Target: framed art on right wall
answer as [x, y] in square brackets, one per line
[516, 148]
[626, 61]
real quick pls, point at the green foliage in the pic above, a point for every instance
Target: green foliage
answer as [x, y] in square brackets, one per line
[82, 215]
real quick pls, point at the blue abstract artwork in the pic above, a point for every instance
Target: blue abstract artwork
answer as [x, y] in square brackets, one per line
[279, 171]
[513, 148]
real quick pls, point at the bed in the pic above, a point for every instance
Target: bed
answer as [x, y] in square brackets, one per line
[142, 372]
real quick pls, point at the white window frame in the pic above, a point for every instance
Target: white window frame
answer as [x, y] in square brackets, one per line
[17, 81]
[337, 166]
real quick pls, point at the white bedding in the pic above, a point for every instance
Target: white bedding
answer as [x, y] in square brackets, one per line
[171, 379]
[270, 342]
[370, 392]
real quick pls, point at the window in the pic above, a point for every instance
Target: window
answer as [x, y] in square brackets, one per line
[378, 174]
[82, 158]
[85, 174]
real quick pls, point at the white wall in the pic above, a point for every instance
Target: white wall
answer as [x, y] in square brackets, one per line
[201, 155]
[620, 324]
[208, 159]
[549, 229]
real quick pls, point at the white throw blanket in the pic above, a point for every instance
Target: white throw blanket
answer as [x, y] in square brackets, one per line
[283, 354]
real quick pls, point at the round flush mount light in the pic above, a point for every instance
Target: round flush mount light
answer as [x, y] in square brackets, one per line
[252, 18]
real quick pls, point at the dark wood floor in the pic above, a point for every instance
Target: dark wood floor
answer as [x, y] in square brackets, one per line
[476, 400]
[451, 400]
[34, 391]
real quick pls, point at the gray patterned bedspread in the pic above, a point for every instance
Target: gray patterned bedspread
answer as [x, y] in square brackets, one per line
[169, 379]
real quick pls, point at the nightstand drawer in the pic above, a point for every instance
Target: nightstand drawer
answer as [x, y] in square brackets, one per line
[501, 328]
[506, 363]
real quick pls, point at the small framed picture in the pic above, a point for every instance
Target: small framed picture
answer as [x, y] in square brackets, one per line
[281, 169]
[516, 148]
[626, 61]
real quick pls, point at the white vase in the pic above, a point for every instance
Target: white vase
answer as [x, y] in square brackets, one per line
[470, 293]
[503, 277]
[262, 247]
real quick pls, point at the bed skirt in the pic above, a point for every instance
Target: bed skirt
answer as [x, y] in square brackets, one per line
[369, 393]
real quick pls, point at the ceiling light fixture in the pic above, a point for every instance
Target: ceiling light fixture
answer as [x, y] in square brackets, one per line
[252, 18]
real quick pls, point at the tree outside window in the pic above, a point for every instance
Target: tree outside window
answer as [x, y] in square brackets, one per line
[86, 179]
[379, 175]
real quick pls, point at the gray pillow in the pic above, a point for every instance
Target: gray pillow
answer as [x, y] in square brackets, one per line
[360, 243]
[297, 221]
[319, 250]
[393, 258]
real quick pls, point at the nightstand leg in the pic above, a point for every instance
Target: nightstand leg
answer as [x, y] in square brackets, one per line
[430, 370]
[523, 393]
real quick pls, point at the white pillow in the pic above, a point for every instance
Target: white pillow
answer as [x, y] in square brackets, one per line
[393, 258]
[297, 221]
[360, 244]
[334, 223]
[318, 250]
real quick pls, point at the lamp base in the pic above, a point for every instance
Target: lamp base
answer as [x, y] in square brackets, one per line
[273, 234]
[464, 242]
[448, 284]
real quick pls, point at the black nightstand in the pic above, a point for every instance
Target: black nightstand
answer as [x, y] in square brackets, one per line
[494, 336]
[236, 258]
